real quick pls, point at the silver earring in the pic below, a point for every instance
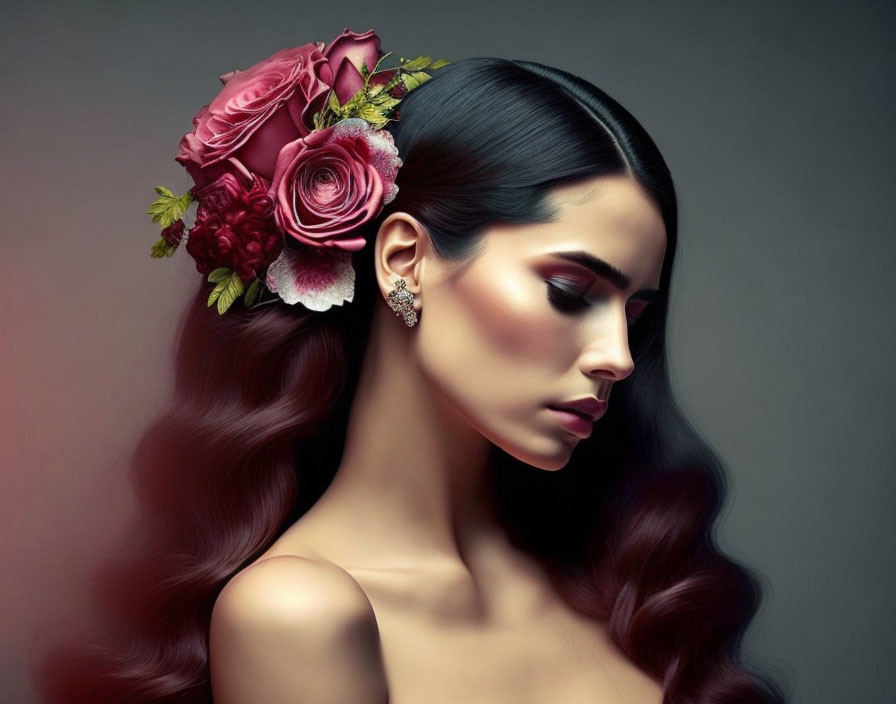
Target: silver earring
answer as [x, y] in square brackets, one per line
[402, 302]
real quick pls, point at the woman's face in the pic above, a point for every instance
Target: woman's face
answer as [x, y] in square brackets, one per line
[530, 324]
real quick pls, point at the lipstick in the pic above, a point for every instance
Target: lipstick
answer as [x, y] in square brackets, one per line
[576, 423]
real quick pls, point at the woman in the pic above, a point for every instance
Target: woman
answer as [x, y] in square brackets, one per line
[346, 506]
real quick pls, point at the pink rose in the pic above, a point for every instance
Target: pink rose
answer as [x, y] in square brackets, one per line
[346, 54]
[329, 183]
[272, 103]
[258, 111]
[191, 155]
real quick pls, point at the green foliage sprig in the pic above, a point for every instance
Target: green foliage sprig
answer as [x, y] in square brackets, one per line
[166, 210]
[229, 286]
[160, 249]
[168, 207]
[374, 103]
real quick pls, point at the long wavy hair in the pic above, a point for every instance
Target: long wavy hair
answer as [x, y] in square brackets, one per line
[256, 426]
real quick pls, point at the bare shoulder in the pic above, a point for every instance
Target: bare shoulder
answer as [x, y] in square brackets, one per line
[290, 628]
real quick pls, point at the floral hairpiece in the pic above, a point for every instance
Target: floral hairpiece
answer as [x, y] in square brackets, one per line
[288, 160]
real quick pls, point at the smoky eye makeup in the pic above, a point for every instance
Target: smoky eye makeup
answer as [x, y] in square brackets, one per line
[566, 290]
[569, 297]
[565, 295]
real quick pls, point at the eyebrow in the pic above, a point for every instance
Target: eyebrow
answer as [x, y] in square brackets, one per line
[606, 271]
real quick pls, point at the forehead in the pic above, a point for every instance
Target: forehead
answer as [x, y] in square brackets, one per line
[611, 217]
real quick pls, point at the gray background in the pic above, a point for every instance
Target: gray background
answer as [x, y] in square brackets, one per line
[775, 119]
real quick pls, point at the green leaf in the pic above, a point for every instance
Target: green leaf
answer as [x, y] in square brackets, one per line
[217, 291]
[413, 80]
[373, 114]
[231, 292]
[219, 275]
[224, 278]
[161, 249]
[439, 63]
[168, 207]
[417, 64]
[365, 72]
[384, 101]
[334, 103]
[354, 103]
[251, 293]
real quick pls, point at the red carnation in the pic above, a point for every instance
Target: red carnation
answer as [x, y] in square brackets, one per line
[234, 227]
[174, 233]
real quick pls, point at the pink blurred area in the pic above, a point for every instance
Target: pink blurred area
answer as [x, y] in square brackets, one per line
[85, 342]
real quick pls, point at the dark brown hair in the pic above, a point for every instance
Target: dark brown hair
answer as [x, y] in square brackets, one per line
[256, 427]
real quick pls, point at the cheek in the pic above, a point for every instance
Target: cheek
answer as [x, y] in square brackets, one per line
[510, 319]
[493, 340]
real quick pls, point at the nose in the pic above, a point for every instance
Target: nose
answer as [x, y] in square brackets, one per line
[607, 355]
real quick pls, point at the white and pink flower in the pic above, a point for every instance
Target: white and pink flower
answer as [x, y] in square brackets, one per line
[316, 277]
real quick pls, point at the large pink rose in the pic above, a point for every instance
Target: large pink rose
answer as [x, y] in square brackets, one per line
[273, 103]
[191, 155]
[258, 111]
[329, 183]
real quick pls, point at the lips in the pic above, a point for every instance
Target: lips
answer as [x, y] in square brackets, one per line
[565, 409]
[589, 408]
[576, 423]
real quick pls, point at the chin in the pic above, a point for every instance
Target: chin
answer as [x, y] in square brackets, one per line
[553, 457]
[552, 464]
[528, 445]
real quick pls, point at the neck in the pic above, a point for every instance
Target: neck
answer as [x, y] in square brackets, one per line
[414, 473]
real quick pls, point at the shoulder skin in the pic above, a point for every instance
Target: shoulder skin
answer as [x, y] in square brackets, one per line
[291, 629]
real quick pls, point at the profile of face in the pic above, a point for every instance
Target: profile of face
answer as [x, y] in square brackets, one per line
[541, 316]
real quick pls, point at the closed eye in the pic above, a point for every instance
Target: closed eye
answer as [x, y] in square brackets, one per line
[564, 300]
[572, 302]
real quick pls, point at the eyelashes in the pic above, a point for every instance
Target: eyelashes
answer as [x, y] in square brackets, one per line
[573, 302]
[563, 300]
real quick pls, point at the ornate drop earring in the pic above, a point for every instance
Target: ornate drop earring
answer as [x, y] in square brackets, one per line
[402, 302]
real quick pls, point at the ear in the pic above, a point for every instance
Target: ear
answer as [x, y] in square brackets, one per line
[401, 244]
